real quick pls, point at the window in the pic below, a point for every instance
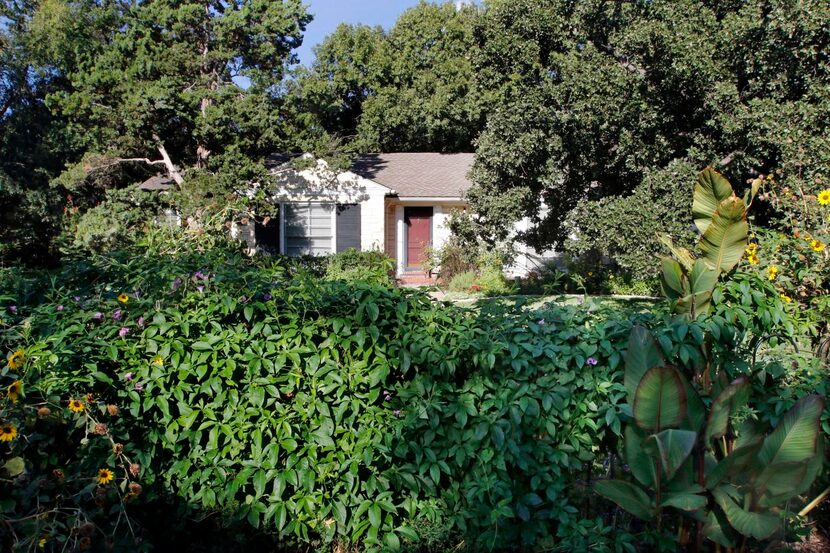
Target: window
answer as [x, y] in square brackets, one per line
[320, 228]
[308, 229]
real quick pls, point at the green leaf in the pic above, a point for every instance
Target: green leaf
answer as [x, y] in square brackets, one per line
[715, 530]
[660, 399]
[672, 448]
[14, 467]
[374, 515]
[734, 396]
[673, 280]
[641, 464]
[725, 240]
[684, 501]
[796, 437]
[711, 189]
[643, 354]
[757, 525]
[628, 496]
[684, 256]
[391, 541]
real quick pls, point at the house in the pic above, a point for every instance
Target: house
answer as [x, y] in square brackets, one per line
[398, 203]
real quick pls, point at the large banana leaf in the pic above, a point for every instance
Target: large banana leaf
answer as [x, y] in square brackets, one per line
[660, 399]
[732, 397]
[725, 240]
[757, 525]
[641, 464]
[796, 437]
[628, 496]
[684, 501]
[643, 354]
[684, 256]
[702, 281]
[696, 410]
[711, 189]
[734, 463]
[717, 529]
[671, 447]
[673, 280]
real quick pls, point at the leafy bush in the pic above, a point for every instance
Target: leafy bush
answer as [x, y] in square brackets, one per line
[450, 260]
[626, 228]
[353, 266]
[462, 282]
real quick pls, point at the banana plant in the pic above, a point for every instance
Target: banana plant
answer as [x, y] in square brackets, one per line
[727, 481]
[721, 219]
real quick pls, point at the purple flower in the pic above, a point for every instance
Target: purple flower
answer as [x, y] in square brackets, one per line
[267, 297]
[397, 412]
[77, 298]
[139, 386]
[128, 377]
[243, 299]
[591, 361]
[541, 322]
[116, 315]
[200, 289]
[176, 283]
[13, 309]
[124, 331]
[140, 322]
[60, 308]
[98, 316]
[387, 395]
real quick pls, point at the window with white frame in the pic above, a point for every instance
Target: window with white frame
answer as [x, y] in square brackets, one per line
[308, 228]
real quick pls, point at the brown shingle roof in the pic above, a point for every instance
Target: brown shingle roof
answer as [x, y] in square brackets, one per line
[418, 174]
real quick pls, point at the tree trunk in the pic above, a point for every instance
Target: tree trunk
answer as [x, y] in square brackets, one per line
[209, 77]
[172, 170]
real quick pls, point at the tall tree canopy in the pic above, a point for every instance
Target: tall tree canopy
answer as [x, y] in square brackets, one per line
[593, 100]
[162, 79]
[411, 89]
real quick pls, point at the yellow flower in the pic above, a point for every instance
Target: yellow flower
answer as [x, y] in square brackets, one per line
[42, 542]
[785, 298]
[751, 249]
[14, 390]
[16, 360]
[824, 197]
[76, 406]
[105, 476]
[123, 298]
[7, 433]
[157, 360]
[772, 272]
[817, 245]
[753, 259]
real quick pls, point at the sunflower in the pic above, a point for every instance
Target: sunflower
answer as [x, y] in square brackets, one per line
[817, 245]
[17, 358]
[105, 476]
[123, 298]
[76, 406]
[14, 390]
[824, 197]
[751, 249]
[7, 433]
[753, 259]
[772, 272]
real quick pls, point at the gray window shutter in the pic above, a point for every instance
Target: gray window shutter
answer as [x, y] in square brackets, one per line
[348, 226]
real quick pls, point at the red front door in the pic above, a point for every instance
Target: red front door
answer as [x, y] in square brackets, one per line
[418, 234]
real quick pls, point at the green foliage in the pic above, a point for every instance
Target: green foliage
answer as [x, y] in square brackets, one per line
[721, 218]
[411, 89]
[462, 282]
[355, 266]
[748, 473]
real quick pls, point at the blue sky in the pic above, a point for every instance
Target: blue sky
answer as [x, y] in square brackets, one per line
[328, 14]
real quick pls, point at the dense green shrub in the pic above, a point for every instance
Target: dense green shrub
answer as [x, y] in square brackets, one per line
[253, 392]
[462, 282]
[354, 266]
[626, 228]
